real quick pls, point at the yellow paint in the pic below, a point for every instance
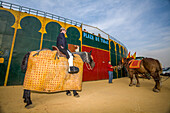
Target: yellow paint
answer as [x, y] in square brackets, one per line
[1, 60]
[114, 44]
[42, 31]
[41, 41]
[109, 47]
[81, 38]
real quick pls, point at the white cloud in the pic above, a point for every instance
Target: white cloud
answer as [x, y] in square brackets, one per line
[143, 26]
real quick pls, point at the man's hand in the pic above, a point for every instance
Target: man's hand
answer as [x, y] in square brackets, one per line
[113, 67]
[62, 47]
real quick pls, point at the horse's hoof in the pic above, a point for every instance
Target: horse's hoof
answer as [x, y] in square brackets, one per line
[25, 101]
[156, 90]
[77, 95]
[68, 94]
[138, 85]
[130, 85]
[29, 106]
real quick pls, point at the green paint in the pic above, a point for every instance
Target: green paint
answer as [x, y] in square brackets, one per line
[6, 36]
[53, 30]
[73, 36]
[27, 39]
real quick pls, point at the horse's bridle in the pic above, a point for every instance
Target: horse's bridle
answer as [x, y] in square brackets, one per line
[87, 64]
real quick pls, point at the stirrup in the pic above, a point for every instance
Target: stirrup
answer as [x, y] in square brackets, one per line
[73, 69]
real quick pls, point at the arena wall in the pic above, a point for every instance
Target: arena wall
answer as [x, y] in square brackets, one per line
[22, 32]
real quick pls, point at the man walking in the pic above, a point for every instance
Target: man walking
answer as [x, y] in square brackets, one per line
[110, 71]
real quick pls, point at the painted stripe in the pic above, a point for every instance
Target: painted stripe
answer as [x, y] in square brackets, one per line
[95, 48]
[42, 34]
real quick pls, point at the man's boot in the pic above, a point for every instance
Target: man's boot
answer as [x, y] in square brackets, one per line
[73, 69]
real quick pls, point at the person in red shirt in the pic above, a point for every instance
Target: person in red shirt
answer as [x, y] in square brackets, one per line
[110, 71]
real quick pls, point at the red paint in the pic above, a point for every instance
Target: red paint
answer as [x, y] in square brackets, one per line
[100, 70]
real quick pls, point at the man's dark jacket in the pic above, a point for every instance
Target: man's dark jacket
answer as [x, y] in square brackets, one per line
[61, 41]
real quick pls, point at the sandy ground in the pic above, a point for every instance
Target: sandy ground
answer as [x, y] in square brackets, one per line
[96, 97]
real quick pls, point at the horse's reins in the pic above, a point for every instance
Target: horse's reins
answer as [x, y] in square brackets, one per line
[87, 64]
[165, 79]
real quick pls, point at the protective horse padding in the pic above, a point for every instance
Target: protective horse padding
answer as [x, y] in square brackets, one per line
[47, 74]
[135, 64]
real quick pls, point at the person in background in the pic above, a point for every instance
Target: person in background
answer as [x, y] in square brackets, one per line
[84, 30]
[110, 71]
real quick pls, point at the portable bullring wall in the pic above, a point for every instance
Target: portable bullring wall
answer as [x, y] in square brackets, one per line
[22, 32]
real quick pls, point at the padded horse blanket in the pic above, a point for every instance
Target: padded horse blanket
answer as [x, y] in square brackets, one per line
[134, 64]
[46, 73]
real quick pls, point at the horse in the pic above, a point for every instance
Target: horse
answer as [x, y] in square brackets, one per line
[86, 57]
[147, 66]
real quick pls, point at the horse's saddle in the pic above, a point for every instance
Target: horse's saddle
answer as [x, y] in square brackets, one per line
[60, 54]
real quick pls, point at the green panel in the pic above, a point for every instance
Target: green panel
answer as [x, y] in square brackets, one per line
[118, 60]
[73, 36]
[123, 69]
[28, 39]
[113, 57]
[122, 52]
[94, 41]
[6, 36]
[53, 30]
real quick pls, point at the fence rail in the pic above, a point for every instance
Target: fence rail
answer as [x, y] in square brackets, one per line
[38, 13]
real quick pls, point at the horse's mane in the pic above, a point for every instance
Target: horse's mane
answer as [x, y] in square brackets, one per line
[82, 55]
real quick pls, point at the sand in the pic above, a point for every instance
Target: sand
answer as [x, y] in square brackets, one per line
[96, 97]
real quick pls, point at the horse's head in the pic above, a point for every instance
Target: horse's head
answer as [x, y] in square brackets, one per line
[124, 62]
[90, 60]
[87, 58]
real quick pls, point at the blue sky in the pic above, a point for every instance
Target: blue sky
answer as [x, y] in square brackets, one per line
[143, 26]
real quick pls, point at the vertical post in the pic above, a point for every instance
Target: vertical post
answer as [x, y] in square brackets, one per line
[116, 63]
[1, 4]
[42, 33]
[81, 36]
[10, 6]
[109, 47]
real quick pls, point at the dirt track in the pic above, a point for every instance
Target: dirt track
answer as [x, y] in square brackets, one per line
[96, 97]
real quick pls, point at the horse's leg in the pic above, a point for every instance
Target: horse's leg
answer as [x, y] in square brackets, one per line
[75, 93]
[28, 99]
[24, 95]
[156, 79]
[137, 78]
[68, 93]
[131, 79]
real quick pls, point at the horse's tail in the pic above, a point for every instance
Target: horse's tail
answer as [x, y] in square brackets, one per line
[24, 62]
[160, 67]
